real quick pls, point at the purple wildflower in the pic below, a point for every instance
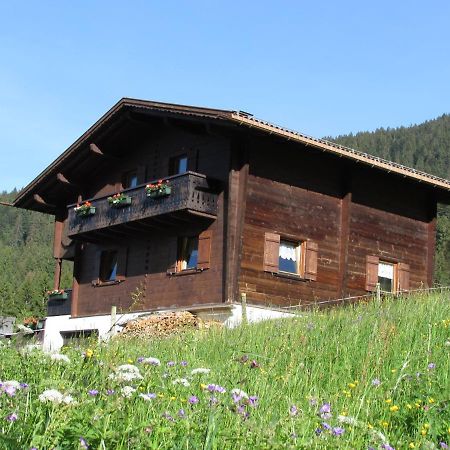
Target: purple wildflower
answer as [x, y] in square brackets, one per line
[23, 385]
[171, 363]
[313, 401]
[93, 392]
[326, 426]
[431, 366]
[318, 431]
[240, 409]
[193, 400]
[140, 359]
[376, 382]
[254, 364]
[181, 413]
[325, 411]
[12, 417]
[387, 447]
[216, 388]
[83, 443]
[167, 416]
[244, 359]
[110, 392]
[253, 401]
[338, 431]
[9, 390]
[184, 363]
[443, 445]
[236, 397]
[293, 411]
[213, 400]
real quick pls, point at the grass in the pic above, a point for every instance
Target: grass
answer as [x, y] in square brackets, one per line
[294, 367]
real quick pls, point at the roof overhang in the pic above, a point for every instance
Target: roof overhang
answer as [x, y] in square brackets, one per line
[228, 117]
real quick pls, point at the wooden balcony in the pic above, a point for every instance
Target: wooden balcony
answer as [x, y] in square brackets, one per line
[192, 195]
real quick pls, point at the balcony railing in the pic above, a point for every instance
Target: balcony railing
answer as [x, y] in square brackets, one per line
[190, 192]
[60, 307]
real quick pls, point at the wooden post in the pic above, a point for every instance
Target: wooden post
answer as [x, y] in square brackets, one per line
[244, 308]
[57, 277]
[378, 292]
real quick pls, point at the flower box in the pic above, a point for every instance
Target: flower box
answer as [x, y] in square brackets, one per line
[160, 189]
[84, 210]
[119, 201]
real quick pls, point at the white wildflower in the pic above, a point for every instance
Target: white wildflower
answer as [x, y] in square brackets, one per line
[128, 391]
[11, 384]
[151, 361]
[200, 370]
[127, 368]
[239, 393]
[126, 372]
[349, 420]
[59, 357]
[147, 397]
[182, 381]
[54, 396]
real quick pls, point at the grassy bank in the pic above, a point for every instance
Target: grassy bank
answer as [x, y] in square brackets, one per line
[372, 375]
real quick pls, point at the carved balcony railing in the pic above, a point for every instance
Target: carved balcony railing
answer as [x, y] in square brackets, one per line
[191, 193]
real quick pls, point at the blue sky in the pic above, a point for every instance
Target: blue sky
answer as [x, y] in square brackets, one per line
[323, 68]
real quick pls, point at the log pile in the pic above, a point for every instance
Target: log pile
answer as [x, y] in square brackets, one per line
[163, 325]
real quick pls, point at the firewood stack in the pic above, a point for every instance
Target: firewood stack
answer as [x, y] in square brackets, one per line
[163, 325]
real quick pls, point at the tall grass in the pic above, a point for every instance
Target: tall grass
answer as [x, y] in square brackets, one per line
[383, 369]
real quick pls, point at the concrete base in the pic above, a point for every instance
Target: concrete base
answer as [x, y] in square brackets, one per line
[57, 328]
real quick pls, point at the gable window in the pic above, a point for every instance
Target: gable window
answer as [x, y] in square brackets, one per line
[108, 266]
[392, 276]
[130, 179]
[187, 253]
[289, 257]
[178, 164]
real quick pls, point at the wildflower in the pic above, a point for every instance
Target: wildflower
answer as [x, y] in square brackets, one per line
[431, 400]
[254, 364]
[93, 392]
[151, 361]
[443, 445]
[393, 370]
[12, 417]
[293, 411]
[200, 370]
[83, 443]
[183, 363]
[385, 423]
[376, 382]
[313, 401]
[167, 416]
[110, 392]
[338, 431]
[216, 388]
[349, 420]
[352, 385]
[387, 447]
[126, 372]
[253, 400]
[193, 400]
[244, 359]
[394, 408]
[181, 413]
[388, 401]
[412, 445]
[182, 381]
[127, 391]
[56, 397]
[60, 358]
[148, 397]
[237, 395]
[213, 400]
[171, 363]
[431, 366]
[326, 426]
[325, 411]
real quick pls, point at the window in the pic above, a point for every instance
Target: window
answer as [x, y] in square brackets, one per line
[187, 253]
[386, 276]
[392, 276]
[289, 257]
[178, 164]
[108, 266]
[129, 179]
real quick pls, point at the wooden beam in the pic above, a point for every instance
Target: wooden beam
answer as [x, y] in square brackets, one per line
[38, 199]
[96, 151]
[344, 237]
[6, 204]
[62, 179]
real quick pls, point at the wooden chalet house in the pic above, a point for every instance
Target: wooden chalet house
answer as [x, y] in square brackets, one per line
[216, 203]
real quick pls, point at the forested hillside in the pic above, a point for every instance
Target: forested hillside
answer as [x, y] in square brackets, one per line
[425, 147]
[26, 263]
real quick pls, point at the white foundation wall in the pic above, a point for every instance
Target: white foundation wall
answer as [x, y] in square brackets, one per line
[55, 325]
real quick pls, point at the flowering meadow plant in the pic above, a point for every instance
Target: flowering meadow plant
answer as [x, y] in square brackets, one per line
[376, 383]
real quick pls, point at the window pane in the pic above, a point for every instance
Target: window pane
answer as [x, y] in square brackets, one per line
[288, 260]
[129, 180]
[386, 276]
[385, 284]
[182, 164]
[133, 181]
[187, 253]
[108, 265]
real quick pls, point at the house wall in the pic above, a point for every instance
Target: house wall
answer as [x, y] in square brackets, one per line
[350, 211]
[147, 284]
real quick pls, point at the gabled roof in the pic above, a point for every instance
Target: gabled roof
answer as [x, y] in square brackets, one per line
[237, 118]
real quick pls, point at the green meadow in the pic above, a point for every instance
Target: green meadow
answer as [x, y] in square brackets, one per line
[373, 375]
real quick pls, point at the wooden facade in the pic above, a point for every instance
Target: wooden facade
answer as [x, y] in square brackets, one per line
[242, 192]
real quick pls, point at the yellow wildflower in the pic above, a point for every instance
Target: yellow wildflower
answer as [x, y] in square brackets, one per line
[388, 401]
[160, 395]
[394, 408]
[423, 432]
[412, 445]
[173, 398]
[203, 386]
[408, 406]
[129, 361]
[431, 400]
[385, 423]
[370, 426]
[89, 353]
[427, 426]
[393, 370]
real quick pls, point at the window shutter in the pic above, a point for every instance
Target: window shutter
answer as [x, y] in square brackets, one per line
[371, 272]
[122, 263]
[204, 250]
[96, 267]
[192, 155]
[271, 252]
[311, 258]
[172, 247]
[403, 276]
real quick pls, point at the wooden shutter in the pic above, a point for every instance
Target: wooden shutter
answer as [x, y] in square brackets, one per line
[311, 258]
[371, 272]
[122, 259]
[204, 250]
[172, 250]
[97, 256]
[403, 276]
[271, 252]
[192, 163]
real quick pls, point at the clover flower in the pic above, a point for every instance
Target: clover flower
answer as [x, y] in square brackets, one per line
[126, 372]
